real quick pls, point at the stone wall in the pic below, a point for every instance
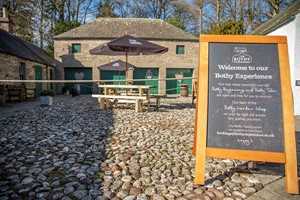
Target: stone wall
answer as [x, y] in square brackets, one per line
[9, 70]
[189, 60]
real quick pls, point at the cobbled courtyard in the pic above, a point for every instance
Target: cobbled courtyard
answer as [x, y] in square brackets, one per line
[73, 150]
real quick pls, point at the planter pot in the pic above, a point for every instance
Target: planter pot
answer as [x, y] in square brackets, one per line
[2, 99]
[46, 100]
[76, 90]
[184, 90]
[66, 92]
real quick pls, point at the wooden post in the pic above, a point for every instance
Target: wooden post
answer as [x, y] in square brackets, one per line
[201, 125]
[288, 121]
[101, 103]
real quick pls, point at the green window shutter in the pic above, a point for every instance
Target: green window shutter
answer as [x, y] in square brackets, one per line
[179, 49]
[76, 48]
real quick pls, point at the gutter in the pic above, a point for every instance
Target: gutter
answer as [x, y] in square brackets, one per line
[279, 25]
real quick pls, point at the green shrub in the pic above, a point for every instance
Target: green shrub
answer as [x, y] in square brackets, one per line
[47, 93]
[65, 89]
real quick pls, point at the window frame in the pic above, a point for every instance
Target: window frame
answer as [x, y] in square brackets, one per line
[180, 51]
[22, 71]
[73, 48]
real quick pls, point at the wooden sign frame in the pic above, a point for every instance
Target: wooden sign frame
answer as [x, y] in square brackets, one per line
[289, 156]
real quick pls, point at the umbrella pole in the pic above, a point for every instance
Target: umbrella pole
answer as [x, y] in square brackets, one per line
[126, 67]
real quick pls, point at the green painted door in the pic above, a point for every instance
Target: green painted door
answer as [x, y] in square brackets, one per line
[79, 74]
[113, 75]
[149, 74]
[51, 78]
[38, 76]
[172, 86]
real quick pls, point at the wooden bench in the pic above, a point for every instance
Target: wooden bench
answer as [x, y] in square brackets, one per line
[158, 98]
[105, 100]
[147, 101]
[194, 90]
[19, 93]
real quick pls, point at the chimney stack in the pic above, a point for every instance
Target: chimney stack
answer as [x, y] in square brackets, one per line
[4, 11]
[4, 21]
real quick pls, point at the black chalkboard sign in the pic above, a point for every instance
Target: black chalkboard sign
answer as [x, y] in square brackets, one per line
[244, 106]
[244, 97]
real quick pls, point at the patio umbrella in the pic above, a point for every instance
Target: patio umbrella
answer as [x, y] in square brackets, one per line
[117, 65]
[128, 45]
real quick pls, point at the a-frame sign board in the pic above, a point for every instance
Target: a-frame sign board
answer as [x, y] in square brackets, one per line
[244, 103]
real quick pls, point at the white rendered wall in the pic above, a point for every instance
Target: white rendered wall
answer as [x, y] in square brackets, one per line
[292, 31]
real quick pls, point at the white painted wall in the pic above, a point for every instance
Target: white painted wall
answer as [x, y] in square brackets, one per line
[292, 31]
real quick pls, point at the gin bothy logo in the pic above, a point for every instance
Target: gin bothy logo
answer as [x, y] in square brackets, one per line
[133, 41]
[241, 57]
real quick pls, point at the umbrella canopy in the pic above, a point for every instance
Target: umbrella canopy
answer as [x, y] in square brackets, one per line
[128, 45]
[118, 65]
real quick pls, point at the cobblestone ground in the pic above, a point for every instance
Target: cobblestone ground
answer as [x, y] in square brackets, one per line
[72, 150]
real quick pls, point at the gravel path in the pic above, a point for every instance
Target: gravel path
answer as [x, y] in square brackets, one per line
[72, 150]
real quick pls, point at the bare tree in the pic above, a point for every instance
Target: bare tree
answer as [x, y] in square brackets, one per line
[39, 20]
[40, 24]
[105, 9]
[159, 9]
[254, 14]
[122, 8]
[218, 12]
[275, 6]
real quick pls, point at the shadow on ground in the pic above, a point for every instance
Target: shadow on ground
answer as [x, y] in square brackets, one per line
[55, 152]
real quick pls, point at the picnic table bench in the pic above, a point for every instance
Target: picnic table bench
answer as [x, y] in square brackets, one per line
[194, 90]
[138, 94]
[105, 100]
[158, 99]
[19, 92]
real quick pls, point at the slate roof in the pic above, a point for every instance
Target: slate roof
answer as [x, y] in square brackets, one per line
[110, 28]
[278, 20]
[16, 46]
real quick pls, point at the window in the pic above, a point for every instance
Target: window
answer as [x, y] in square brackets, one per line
[76, 48]
[179, 49]
[22, 71]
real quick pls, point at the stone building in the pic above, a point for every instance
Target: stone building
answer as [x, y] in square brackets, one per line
[21, 60]
[72, 51]
[287, 23]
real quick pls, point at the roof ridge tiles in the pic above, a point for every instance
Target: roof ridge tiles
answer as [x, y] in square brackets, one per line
[156, 29]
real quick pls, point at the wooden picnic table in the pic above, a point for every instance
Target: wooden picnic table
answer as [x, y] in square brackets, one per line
[125, 94]
[142, 89]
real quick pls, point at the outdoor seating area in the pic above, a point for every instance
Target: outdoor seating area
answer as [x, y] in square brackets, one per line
[136, 94]
[150, 100]
[106, 100]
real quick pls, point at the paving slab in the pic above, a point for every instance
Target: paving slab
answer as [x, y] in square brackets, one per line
[274, 191]
[272, 177]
